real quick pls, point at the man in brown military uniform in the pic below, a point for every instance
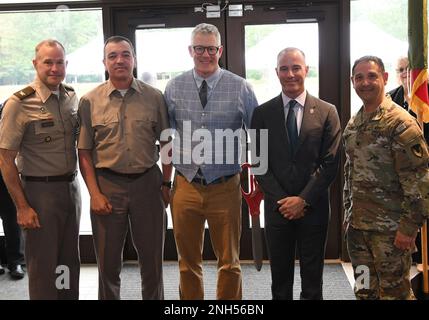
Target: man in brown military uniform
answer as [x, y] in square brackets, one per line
[38, 128]
[386, 175]
[120, 123]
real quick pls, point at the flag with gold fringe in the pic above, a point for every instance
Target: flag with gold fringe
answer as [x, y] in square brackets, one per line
[417, 56]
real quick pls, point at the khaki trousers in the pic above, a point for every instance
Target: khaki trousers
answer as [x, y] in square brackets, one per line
[220, 205]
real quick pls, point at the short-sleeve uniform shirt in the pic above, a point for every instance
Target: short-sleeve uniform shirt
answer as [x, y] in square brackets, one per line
[121, 130]
[42, 127]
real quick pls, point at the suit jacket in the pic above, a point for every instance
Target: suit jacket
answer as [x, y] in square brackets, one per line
[307, 173]
[397, 96]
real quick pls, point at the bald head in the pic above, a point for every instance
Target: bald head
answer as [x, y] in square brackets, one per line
[290, 50]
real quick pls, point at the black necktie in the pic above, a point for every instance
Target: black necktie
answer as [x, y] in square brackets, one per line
[203, 93]
[291, 126]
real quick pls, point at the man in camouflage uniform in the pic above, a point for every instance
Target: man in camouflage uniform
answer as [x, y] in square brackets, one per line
[385, 178]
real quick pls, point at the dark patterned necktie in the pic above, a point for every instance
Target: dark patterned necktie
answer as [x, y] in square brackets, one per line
[203, 93]
[291, 126]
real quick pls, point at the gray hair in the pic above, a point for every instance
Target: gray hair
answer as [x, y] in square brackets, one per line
[49, 43]
[403, 58]
[206, 28]
[374, 59]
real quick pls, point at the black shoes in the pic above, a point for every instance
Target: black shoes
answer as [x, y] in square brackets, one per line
[16, 272]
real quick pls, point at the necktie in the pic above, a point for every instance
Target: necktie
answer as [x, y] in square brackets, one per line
[203, 93]
[291, 126]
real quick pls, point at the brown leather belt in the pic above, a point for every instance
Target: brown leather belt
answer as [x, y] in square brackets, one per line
[131, 176]
[204, 182]
[65, 177]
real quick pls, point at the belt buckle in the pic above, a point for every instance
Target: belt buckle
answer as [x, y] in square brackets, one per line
[200, 181]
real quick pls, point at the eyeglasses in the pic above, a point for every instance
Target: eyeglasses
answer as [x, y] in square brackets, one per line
[402, 69]
[211, 50]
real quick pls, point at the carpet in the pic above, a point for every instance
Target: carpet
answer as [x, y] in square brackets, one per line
[256, 285]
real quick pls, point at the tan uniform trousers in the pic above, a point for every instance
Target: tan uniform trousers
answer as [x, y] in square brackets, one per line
[220, 204]
[52, 251]
[137, 203]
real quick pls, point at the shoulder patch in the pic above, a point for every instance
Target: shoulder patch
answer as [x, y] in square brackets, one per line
[68, 88]
[21, 94]
[417, 150]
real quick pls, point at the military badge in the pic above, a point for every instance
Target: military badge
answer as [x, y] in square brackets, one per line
[417, 150]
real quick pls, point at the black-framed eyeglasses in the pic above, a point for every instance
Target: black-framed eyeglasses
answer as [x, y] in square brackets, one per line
[211, 50]
[401, 69]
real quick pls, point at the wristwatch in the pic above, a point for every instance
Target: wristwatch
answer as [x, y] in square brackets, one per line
[306, 205]
[166, 184]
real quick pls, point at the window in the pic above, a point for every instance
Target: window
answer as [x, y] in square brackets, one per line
[378, 28]
[264, 42]
[162, 54]
[79, 31]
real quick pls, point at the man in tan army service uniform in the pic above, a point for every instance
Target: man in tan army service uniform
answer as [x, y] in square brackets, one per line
[38, 128]
[385, 175]
[120, 122]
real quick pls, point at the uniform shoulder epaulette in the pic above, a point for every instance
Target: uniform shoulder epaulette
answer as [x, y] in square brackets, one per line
[21, 94]
[68, 88]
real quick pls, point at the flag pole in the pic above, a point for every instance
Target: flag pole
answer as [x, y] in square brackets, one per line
[424, 239]
[424, 229]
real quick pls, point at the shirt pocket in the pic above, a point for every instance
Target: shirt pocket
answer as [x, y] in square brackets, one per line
[106, 126]
[46, 132]
[73, 123]
[145, 127]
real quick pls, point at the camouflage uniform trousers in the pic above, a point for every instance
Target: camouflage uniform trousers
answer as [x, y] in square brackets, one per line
[381, 270]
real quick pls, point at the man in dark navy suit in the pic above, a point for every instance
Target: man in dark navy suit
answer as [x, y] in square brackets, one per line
[304, 138]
